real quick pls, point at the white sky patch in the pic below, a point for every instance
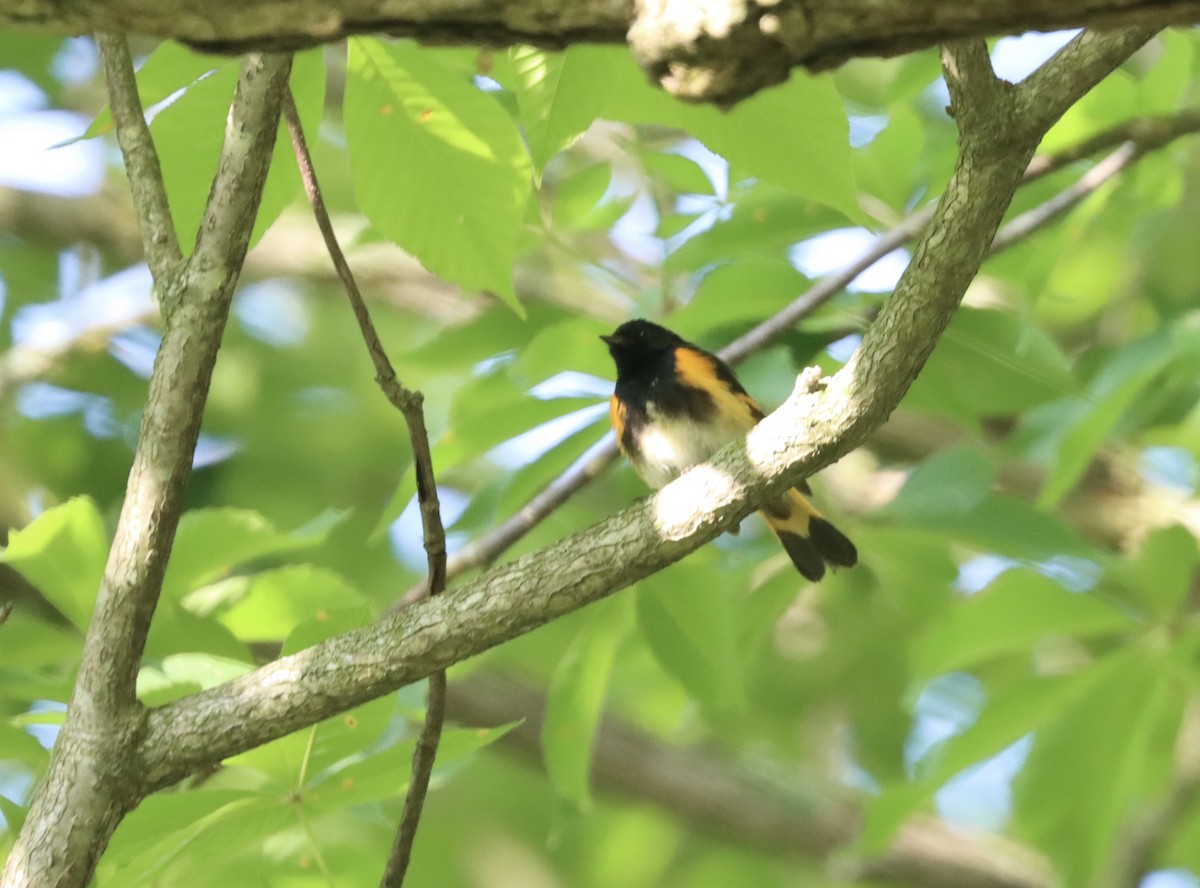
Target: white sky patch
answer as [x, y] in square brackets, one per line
[572, 384]
[714, 167]
[1170, 878]
[842, 349]
[406, 534]
[112, 302]
[634, 234]
[76, 62]
[833, 249]
[981, 796]
[1171, 467]
[272, 312]
[136, 348]
[1015, 58]
[531, 445]
[19, 94]
[979, 573]
[28, 159]
[864, 128]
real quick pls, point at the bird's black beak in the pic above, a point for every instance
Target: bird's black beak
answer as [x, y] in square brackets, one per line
[610, 341]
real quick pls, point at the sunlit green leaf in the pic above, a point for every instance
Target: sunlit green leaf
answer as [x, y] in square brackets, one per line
[211, 542]
[1011, 615]
[1123, 729]
[575, 700]
[62, 552]
[688, 616]
[559, 94]
[438, 166]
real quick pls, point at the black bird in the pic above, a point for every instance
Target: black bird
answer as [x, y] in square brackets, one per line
[675, 405]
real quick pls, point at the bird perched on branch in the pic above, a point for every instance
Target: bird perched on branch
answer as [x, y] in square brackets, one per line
[675, 405]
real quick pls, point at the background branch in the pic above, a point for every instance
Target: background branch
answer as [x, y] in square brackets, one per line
[716, 798]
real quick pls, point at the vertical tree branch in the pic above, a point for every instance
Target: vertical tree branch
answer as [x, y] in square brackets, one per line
[94, 777]
[409, 403]
[160, 244]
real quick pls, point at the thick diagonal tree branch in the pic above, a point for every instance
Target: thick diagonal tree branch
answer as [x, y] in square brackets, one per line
[715, 51]
[93, 779]
[1136, 137]
[808, 432]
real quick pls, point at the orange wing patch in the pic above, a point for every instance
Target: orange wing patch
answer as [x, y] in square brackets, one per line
[699, 370]
[617, 412]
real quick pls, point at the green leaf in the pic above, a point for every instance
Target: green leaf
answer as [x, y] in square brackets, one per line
[169, 69]
[222, 824]
[688, 618]
[579, 195]
[62, 552]
[681, 174]
[1017, 610]
[211, 542]
[742, 291]
[14, 817]
[1020, 709]
[17, 745]
[575, 700]
[386, 774]
[887, 166]
[559, 95]
[300, 758]
[1167, 80]
[176, 630]
[161, 816]
[805, 115]
[438, 166]
[189, 133]
[31, 643]
[948, 483]
[32, 54]
[1008, 526]
[764, 220]
[990, 363]
[1160, 577]
[276, 601]
[1110, 394]
[325, 624]
[1108, 748]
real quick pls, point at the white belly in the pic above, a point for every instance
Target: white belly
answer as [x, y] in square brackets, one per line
[669, 446]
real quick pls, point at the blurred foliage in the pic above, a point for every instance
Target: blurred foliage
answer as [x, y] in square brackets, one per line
[1014, 652]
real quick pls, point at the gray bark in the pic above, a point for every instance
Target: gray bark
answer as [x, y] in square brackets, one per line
[717, 50]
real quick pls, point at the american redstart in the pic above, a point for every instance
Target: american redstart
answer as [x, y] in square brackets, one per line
[675, 405]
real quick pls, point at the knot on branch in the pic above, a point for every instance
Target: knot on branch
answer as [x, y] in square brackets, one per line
[718, 51]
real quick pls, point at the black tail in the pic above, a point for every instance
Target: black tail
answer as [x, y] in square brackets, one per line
[824, 544]
[804, 555]
[834, 546]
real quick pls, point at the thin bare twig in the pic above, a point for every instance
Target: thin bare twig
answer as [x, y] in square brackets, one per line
[409, 403]
[1104, 171]
[6, 610]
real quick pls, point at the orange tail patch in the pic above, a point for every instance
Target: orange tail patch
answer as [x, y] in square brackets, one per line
[811, 541]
